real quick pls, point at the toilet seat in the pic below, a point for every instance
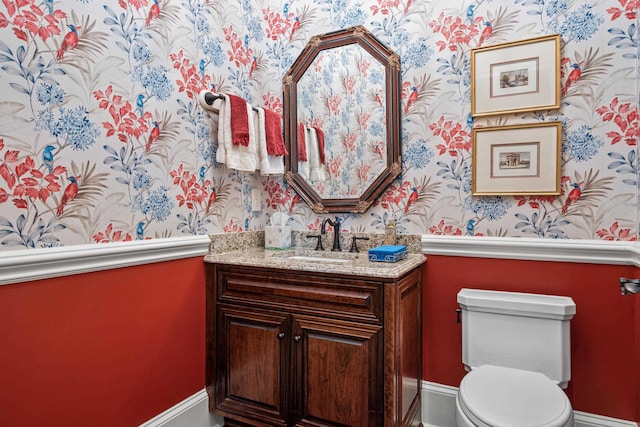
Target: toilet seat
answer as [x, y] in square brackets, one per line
[494, 396]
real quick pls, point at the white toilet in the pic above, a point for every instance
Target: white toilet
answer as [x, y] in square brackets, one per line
[516, 348]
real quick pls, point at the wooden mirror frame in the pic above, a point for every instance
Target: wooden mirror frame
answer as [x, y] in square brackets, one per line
[391, 62]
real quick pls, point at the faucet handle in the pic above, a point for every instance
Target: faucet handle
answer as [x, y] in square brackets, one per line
[354, 243]
[319, 246]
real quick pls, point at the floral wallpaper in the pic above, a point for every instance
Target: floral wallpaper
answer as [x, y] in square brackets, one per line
[102, 138]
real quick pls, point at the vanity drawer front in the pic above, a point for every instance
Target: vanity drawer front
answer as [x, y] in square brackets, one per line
[339, 296]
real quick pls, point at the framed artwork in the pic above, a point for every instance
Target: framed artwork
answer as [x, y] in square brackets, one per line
[517, 160]
[516, 77]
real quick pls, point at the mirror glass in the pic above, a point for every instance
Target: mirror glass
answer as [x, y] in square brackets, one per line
[342, 121]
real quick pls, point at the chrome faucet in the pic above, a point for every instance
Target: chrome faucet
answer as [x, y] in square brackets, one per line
[336, 232]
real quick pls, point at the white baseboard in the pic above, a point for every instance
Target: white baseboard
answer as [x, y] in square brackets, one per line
[438, 410]
[584, 419]
[191, 412]
[439, 406]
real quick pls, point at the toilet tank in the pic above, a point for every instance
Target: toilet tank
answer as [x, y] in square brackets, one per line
[517, 330]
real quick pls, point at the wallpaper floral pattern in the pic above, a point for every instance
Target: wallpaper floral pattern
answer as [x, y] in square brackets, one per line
[102, 138]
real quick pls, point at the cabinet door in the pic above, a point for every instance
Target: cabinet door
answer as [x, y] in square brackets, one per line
[252, 366]
[338, 373]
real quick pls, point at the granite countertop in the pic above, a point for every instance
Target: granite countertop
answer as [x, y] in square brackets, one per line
[356, 264]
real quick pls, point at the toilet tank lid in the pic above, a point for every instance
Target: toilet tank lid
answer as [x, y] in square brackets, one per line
[524, 304]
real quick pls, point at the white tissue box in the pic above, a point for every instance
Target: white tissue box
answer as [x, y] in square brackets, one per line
[277, 237]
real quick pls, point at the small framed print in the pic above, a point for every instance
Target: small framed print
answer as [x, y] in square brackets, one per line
[516, 77]
[517, 160]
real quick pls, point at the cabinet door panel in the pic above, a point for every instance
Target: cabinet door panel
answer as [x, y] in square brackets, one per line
[338, 375]
[252, 363]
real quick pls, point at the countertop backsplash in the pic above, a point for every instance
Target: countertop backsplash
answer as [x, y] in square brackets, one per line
[225, 242]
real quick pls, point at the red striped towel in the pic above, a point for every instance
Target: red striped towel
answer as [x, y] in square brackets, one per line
[320, 135]
[239, 121]
[273, 133]
[302, 143]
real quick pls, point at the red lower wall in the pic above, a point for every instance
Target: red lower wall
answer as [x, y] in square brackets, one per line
[118, 347]
[604, 332]
[113, 348]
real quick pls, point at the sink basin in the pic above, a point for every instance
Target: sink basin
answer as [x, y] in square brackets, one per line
[319, 259]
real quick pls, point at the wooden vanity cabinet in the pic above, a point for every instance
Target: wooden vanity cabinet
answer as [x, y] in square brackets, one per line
[295, 348]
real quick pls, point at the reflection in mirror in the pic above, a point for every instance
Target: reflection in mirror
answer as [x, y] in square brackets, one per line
[342, 121]
[340, 107]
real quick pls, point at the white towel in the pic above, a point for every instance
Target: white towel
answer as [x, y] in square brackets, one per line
[224, 129]
[254, 122]
[303, 165]
[235, 156]
[316, 170]
[269, 165]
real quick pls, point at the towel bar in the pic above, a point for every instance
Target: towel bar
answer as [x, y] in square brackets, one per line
[207, 98]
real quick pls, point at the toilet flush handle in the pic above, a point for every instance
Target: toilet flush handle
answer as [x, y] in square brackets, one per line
[458, 313]
[629, 286]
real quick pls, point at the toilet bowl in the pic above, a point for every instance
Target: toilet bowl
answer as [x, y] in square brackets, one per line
[516, 350]
[495, 396]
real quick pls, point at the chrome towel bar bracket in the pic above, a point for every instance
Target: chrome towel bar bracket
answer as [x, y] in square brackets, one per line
[207, 98]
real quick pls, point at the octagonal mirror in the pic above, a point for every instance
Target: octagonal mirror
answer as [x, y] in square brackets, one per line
[342, 121]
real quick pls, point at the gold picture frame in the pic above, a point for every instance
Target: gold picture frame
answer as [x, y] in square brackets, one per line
[519, 159]
[516, 77]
